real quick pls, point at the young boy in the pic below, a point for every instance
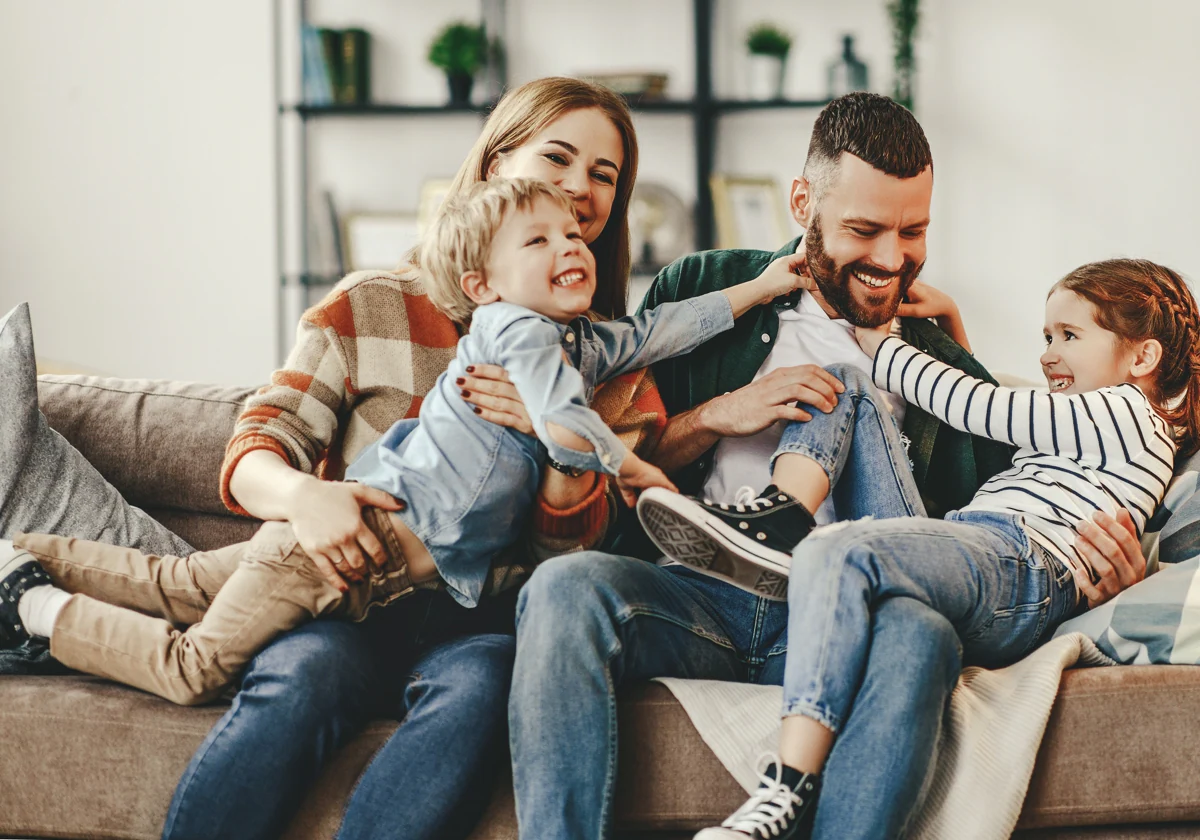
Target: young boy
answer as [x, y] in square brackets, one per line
[508, 256]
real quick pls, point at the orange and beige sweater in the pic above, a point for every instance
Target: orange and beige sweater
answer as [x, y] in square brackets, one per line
[364, 357]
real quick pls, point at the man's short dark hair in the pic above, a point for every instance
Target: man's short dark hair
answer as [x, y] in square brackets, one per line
[874, 128]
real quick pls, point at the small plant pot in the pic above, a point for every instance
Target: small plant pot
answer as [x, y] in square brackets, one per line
[765, 77]
[460, 85]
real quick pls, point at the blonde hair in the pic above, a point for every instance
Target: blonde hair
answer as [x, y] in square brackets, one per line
[460, 237]
[518, 118]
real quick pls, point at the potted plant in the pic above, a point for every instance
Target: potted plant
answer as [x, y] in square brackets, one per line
[460, 50]
[768, 46]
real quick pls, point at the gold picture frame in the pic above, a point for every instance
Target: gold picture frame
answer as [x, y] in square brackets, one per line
[750, 212]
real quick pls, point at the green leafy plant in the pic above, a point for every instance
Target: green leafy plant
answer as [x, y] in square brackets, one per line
[904, 15]
[459, 49]
[768, 39]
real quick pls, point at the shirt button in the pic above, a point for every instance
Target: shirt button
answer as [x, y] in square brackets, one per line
[570, 338]
[766, 338]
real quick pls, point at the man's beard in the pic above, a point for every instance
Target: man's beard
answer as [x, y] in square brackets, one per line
[834, 282]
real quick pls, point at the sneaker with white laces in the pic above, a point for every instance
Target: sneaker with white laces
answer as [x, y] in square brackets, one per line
[19, 572]
[748, 543]
[782, 808]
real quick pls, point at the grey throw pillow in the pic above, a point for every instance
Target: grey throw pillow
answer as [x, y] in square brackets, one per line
[46, 486]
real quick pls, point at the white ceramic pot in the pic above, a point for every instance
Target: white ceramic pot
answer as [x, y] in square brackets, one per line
[765, 76]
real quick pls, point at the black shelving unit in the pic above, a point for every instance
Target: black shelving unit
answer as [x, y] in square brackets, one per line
[704, 108]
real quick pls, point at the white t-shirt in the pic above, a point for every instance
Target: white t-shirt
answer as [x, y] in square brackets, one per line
[807, 336]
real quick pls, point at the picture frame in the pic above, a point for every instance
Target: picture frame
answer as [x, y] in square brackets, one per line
[433, 192]
[750, 212]
[379, 240]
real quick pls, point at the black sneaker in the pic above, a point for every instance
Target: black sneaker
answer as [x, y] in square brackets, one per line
[749, 545]
[782, 808]
[19, 573]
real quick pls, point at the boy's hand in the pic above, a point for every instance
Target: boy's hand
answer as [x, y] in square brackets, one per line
[784, 276]
[636, 474]
[869, 338]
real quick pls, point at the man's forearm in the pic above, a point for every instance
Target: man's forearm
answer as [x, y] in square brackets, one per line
[686, 437]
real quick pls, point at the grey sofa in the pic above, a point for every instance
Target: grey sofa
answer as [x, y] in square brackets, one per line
[82, 757]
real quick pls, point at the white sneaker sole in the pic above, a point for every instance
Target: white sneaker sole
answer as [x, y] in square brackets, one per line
[685, 531]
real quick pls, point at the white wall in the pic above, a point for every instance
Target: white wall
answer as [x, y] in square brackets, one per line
[137, 171]
[1062, 133]
[137, 207]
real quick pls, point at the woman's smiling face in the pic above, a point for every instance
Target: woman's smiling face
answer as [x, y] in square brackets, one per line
[582, 153]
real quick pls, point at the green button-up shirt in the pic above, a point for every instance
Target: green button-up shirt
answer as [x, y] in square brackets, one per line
[949, 465]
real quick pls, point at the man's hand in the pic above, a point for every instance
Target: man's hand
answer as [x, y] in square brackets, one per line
[750, 409]
[327, 519]
[1111, 546]
[636, 474]
[869, 338]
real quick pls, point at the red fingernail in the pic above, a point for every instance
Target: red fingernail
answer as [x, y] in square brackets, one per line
[460, 381]
[477, 409]
[401, 504]
[466, 393]
[470, 368]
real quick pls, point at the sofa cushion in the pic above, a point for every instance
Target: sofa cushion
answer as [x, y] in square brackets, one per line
[160, 443]
[46, 485]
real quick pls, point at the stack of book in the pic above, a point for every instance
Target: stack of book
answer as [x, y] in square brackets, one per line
[336, 66]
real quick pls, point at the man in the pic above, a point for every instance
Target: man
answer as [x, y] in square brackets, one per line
[589, 623]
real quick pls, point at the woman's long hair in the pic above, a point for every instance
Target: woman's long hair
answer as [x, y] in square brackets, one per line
[1139, 300]
[518, 118]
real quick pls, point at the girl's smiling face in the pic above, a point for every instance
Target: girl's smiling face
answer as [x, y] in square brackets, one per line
[582, 153]
[1081, 355]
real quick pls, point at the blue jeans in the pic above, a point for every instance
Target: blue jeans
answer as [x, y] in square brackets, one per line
[589, 623]
[1001, 594]
[443, 675]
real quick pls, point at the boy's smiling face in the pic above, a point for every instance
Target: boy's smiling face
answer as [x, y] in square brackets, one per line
[539, 260]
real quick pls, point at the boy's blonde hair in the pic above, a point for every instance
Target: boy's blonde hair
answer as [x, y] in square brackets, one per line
[460, 237]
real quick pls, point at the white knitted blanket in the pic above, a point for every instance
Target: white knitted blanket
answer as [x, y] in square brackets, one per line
[991, 736]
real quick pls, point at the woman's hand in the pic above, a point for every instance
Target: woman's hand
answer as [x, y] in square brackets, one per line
[869, 338]
[636, 474]
[327, 519]
[488, 388]
[1111, 546]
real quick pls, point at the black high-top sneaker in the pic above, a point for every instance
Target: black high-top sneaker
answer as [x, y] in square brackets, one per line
[19, 572]
[782, 808]
[748, 544]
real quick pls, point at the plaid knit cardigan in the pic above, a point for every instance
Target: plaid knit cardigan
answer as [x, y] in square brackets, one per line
[364, 357]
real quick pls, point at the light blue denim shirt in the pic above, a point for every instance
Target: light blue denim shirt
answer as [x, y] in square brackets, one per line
[469, 483]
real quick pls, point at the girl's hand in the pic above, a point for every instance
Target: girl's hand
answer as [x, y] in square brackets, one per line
[869, 338]
[488, 388]
[636, 474]
[326, 517]
[924, 301]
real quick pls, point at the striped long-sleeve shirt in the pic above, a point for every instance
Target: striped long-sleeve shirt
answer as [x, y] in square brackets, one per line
[1077, 454]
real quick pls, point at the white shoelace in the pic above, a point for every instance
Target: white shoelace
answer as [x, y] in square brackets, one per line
[766, 813]
[747, 497]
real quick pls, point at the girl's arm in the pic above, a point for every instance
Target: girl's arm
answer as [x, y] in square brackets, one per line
[1074, 426]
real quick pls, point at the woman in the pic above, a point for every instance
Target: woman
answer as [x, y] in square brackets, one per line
[364, 357]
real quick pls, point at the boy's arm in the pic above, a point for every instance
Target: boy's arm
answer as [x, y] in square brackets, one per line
[527, 346]
[679, 327]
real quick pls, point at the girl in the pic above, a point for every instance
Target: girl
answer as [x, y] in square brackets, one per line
[1121, 363]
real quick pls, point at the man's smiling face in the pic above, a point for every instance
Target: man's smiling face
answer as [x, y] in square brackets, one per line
[865, 242]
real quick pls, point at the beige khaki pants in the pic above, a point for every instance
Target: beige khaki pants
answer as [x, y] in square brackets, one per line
[122, 621]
